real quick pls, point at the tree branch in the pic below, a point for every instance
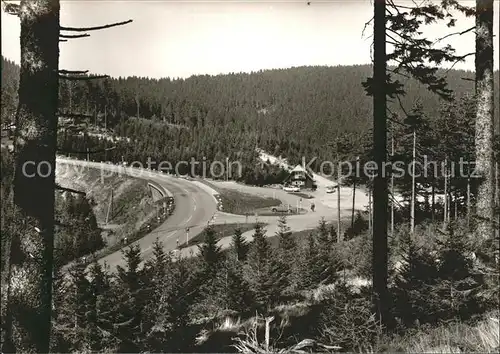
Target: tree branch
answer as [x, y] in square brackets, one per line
[76, 72]
[11, 9]
[64, 189]
[365, 26]
[69, 36]
[455, 34]
[82, 78]
[459, 59]
[84, 29]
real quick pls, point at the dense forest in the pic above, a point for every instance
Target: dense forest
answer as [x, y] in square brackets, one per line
[310, 112]
[294, 112]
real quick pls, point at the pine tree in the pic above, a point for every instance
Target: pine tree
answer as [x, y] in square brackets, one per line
[179, 296]
[130, 312]
[359, 226]
[310, 271]
[210, 253]
[100, 315]
[326, 257]
[260, 270]
[413, 283]
[239, 245]
[287, 252]
[238, 293]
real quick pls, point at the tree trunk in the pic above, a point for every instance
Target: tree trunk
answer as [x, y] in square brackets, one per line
[412, 216]
[339, 232]
[468, 204]
[380, 198]
[433, 201]
[445, 195]
[485, 202]
[35, 149]
[354, 194]
[393, 196]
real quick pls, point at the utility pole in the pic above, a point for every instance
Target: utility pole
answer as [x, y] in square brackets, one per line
[88, 155]
[412, 226]
[187, 236]
[109, 207]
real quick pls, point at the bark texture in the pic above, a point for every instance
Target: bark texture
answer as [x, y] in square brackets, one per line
[485, 166]
[34, 178]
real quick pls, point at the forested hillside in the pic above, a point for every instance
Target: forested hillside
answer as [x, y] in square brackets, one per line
[294, 112]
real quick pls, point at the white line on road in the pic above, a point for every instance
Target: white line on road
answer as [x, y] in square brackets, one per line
[149, 247]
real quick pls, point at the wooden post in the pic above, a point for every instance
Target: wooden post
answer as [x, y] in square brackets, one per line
[268, 323]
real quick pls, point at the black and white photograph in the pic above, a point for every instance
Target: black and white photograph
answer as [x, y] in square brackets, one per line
[250, 176]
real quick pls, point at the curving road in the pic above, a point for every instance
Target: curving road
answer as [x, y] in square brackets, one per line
[195, 208]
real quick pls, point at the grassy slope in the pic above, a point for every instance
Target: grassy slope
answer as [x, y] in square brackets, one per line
[236, 202]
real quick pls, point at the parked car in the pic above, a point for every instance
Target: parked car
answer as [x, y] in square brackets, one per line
[283, 208]
[291, 189]
[331, 189]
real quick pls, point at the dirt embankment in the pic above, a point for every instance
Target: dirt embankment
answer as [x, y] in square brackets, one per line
[122, 204]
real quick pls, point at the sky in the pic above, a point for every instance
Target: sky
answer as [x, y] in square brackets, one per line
[182, 38]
